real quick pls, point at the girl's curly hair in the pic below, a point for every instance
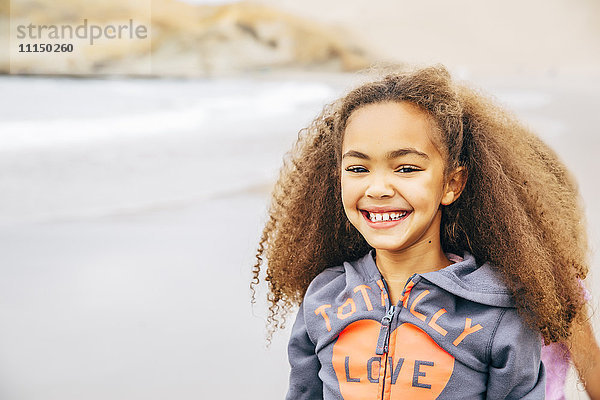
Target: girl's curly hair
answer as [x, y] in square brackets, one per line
[520, 209]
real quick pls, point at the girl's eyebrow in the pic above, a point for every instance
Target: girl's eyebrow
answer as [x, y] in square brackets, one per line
[390, 155]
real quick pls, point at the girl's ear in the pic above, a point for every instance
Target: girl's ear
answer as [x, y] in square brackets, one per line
[454, 186]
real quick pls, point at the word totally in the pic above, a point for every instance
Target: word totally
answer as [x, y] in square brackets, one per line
[349, 307]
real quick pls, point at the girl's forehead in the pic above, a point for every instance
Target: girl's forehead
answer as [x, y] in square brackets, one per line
[391, 123]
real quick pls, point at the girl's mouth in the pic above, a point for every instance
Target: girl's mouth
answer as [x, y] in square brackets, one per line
[384, 219]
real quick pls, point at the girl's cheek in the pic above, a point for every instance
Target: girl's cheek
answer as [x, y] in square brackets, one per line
[350, 186]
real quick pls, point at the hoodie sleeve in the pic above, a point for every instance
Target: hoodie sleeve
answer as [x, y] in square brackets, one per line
[516, 370]
[304, 374]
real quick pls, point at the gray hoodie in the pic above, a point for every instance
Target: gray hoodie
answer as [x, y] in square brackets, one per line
[455, 334]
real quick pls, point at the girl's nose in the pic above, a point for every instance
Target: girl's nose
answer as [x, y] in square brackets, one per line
[379, 187]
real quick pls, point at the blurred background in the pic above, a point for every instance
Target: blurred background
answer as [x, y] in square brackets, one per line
[135, 172]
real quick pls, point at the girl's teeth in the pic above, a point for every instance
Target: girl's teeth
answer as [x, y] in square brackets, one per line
[386, 216]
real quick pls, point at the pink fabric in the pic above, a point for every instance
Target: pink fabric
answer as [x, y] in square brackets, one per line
[454, 257]
[555, 357]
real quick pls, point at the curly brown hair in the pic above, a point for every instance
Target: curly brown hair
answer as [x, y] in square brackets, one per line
[520, 209]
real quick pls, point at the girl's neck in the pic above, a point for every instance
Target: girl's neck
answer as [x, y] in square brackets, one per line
[397, 267]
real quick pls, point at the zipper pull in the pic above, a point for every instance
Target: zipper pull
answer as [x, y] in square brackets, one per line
[384, 332]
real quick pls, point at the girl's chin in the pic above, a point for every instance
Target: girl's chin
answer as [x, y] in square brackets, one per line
[391, 249]
[386, 245]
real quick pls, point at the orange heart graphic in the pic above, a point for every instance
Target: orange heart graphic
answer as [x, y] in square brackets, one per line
[415, 367]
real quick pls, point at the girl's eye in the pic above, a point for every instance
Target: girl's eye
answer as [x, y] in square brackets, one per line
[356, 169]
[407, 169]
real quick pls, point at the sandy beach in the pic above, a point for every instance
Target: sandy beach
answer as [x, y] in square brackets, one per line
[125, 254]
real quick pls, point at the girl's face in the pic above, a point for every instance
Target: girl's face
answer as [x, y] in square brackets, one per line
[392, 176]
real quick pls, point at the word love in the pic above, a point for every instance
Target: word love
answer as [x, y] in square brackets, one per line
[374, 364]
[415, 367]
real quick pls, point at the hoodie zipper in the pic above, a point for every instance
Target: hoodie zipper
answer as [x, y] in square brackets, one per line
[384, 333]
[383, 341]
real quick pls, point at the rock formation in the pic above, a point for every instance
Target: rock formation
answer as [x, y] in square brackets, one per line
[183, 40]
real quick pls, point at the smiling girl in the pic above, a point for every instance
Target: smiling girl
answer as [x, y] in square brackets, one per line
[392, 185]
[415, 224]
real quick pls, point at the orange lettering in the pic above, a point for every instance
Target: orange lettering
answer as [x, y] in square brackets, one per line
[434, 325]
[415, 302]
[341, 314]
[383, 292]
[468, 330]
[321, 310]
[363, 291]
[407, 290]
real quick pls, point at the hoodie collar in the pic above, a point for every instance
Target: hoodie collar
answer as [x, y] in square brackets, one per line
[467, 279]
